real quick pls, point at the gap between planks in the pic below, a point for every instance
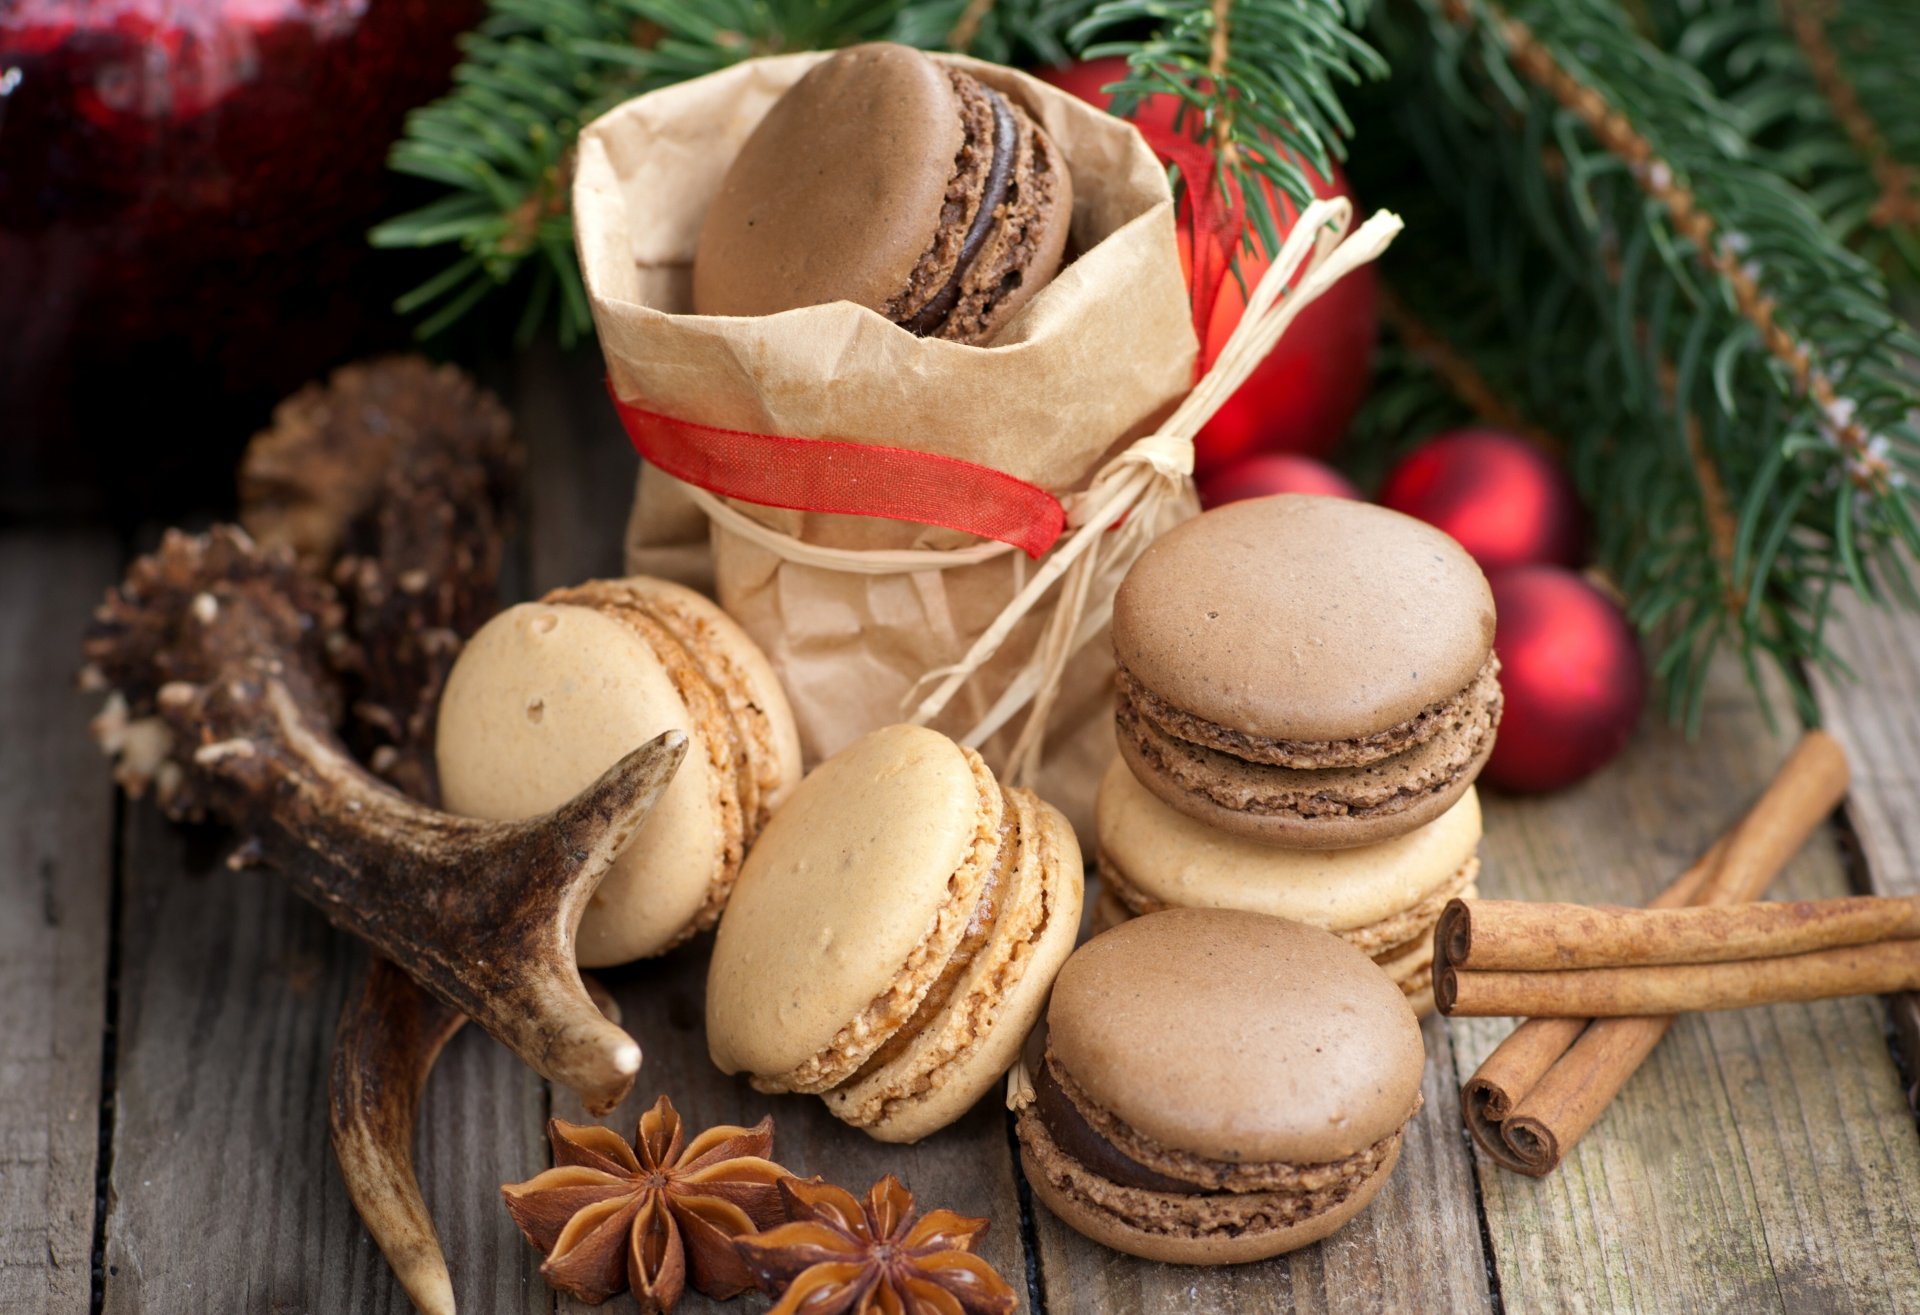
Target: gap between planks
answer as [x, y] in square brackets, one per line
[56, 874]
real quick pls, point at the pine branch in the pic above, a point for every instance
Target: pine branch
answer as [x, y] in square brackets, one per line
[533, 75]
[1826, 91]
[1603, 243]
[1615, 262]
[1257, 78]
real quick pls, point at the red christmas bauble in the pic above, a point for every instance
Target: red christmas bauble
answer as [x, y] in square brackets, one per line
[187, 190]
[1571, 672]
[1304, 395]
[1506, 501]
[1273, 472]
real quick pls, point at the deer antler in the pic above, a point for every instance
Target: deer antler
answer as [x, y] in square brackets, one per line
[215, 655]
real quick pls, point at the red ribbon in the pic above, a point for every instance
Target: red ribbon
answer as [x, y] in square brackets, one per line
[894, 483]
[848, 479]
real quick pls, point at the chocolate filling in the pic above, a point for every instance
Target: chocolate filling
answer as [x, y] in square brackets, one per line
[1005, 142]
[979, 928]
[1075, 1136]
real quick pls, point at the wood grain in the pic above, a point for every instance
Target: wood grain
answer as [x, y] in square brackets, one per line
[1761, 1160]
[1877, 717]
[56, 874]
[580, 467]
[224, 1195]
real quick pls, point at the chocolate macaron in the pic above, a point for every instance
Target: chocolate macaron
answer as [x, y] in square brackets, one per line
[1217, 1086]
[893, 934]
[1383, 899]
[548, 695]
[1308, 672]
[895, 180]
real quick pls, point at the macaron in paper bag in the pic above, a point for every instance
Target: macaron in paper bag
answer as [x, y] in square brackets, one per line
[894, 180]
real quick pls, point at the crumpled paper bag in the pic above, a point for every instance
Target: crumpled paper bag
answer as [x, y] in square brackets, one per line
[1092, 362]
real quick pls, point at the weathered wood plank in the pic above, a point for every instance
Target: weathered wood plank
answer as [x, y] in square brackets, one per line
[56, 875]
[1417, 1247]
[224, 1194]
[1763, 1159]
[1877, 717]
[580, 467]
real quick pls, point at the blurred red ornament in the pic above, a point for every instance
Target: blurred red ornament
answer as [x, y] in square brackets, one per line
[188, 185]
[1505, 500]
[1273, 472]
[1304, 395]
[1571, 671]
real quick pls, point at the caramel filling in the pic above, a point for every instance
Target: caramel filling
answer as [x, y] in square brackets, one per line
[972, 941]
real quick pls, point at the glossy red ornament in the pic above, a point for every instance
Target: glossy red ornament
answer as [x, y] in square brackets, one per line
[1303, 396]
[185, 192]
[1571, 670]
[1273, 472]
[1505, 500]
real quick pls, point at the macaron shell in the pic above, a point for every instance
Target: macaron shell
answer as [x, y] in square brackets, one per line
[1237, 1036]
[542, 700]
[841, 897]
[1175, 859]
[1192, 779]
[1304, 618]
[965, 1051]
[881, 123]
[741, 672]
[1054, 1178]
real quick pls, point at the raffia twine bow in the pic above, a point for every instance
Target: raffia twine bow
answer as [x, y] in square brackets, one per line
[1110, 522]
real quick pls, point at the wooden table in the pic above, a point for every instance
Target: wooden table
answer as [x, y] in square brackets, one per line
[165, 1027]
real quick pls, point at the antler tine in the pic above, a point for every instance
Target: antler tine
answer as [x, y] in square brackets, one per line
[388, 1040]
[211, 648]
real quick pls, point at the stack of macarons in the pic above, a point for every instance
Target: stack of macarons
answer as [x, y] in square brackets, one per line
[548, 695]
[1307, 690]
[893, 934]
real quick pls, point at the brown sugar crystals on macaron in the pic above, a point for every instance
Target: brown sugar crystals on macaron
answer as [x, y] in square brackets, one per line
[894, 180]
[1309, 672]
[1218, 1086]
[893, 934]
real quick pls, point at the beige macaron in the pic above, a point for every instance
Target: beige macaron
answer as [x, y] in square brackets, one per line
[548, 695]
[1383, 899]
[893, 934]
[1216, 1086]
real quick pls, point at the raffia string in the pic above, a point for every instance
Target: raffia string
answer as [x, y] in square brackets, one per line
[1109, 523]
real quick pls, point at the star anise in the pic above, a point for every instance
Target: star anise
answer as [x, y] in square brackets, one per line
[842, 1256]
[610, 1215]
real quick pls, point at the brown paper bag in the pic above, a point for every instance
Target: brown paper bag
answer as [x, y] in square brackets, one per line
[872, 621]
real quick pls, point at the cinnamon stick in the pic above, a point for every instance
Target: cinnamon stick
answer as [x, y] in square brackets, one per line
[1527, 936]
[1540, 1090]
[1523, 1060]
[1682, 988]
